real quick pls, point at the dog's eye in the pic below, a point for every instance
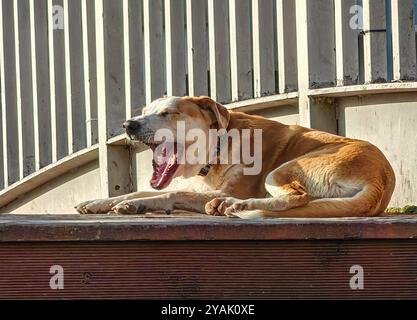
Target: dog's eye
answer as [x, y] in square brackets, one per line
[164, 114]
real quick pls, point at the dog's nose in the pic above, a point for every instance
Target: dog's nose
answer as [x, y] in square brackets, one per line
[130, 125]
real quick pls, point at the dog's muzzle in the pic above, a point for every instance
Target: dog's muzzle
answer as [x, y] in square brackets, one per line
[131, 127]
[138, 131]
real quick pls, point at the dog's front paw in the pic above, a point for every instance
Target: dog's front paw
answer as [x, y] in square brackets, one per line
[221, 206]
[130, 207]
[100, 206]
[236, 207]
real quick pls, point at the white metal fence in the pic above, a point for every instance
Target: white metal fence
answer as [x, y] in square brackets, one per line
[72, 70]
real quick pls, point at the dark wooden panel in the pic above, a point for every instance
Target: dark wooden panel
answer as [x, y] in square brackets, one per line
[210, 269]
[189, 226]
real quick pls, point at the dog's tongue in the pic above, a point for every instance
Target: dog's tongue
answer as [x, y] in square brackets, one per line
[164, 166]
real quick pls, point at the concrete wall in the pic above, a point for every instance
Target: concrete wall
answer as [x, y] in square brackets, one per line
[62, 193]
[390, 122]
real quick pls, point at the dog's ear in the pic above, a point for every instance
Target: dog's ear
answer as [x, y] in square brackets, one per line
[220, 112]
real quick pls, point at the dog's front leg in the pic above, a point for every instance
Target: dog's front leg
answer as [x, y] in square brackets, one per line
[102, 206]
[182, 200]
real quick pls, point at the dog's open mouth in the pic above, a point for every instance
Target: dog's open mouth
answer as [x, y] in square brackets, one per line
[164, 164]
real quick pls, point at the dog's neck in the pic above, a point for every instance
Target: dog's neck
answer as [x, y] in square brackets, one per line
[206, 169]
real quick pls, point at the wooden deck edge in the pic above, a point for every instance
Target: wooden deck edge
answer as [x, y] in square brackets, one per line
[23, 228]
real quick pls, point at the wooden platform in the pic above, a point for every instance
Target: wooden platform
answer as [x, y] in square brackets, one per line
[195, 256]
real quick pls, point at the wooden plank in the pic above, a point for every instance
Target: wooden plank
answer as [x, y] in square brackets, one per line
[403, 40]
[175, 47]
[287, 47]
[188, 226]
[154, 50]
[262, 270]
[137, 59]
[346, 43]
[197, 47]
[10, 120]
[263, 47]
[375, 41]
[240, 50]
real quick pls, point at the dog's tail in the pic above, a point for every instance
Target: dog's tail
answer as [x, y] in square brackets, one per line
[370, 201]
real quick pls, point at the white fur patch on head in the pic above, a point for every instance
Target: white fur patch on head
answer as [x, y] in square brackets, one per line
[160, 104]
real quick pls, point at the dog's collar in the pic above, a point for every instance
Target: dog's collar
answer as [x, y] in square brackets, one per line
[206, 169]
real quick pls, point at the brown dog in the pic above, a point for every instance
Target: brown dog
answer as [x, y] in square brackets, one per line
[304, 172]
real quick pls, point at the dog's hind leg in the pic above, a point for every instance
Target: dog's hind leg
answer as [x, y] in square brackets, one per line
[317, 186]
[285, 195]
[291, 199]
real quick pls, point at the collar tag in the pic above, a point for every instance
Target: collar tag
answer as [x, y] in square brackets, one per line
[205, 170]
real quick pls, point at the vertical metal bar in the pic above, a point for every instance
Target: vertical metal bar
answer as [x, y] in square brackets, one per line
[52, 81]
[34, 85]
[113, 160]
[26, 101]
[197, 48]
[263, 47]
[375, 41]
[18, 89]
[287, 47]
[346, 43]
[86, 69]
[3, 101]
[312, 114]
[175, 47]
[137, 64]
[77, 75]
[219, 50]
[322, 67]
[240, 49]
[126, 51]
[154, 49]
[403, 40]
[92, 76]
[68, 77]
[101, 98]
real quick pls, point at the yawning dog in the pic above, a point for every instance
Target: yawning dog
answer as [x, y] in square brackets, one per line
[304, 172]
